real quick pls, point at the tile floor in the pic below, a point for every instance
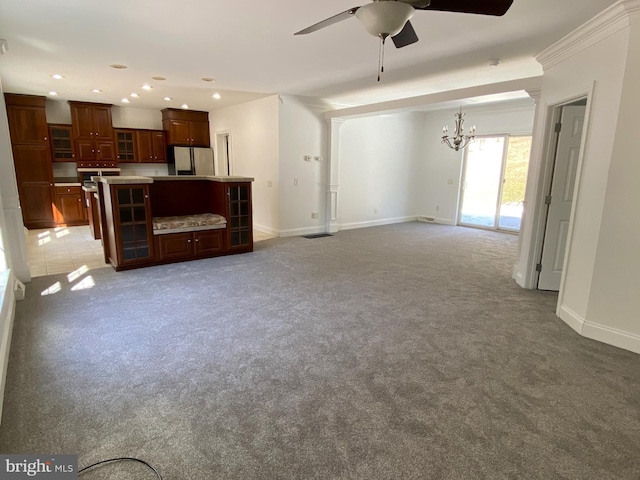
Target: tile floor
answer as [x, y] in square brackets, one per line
[66, 249]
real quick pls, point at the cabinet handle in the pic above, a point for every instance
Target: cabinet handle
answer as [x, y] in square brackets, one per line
[98, 151]
[189, 241]
[93, 151]
[45, 139]
[96, 134]
[146, 196]
[68, 189]
[90, 133]
[197, 239]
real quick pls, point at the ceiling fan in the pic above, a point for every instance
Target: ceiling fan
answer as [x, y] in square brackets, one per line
[390, 18]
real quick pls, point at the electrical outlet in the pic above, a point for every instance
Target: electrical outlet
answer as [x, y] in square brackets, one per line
[437, 208]
[314, 215]
[307, 158]
[449, 181]
[318, 158]
[295, 182]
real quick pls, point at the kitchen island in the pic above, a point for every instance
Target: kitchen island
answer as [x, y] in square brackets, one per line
[155, 220]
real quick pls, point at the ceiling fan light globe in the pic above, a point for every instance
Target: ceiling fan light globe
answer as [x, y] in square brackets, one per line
[384, 18]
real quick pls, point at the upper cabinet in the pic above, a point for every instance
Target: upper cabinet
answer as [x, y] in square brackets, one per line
[93, 132]
[186, 127]
[152, 147]
[91, 121]
[27, 119]
[62, 145]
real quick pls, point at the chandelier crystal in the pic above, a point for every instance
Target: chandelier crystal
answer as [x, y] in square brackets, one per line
[459, 140]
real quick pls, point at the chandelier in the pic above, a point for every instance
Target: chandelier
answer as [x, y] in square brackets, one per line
[458, 140]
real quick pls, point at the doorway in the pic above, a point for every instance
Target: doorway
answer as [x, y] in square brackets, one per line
[493, 183]
[223, 147]
[568, 141]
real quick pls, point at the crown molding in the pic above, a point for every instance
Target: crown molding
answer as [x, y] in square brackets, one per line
[610, 21]
[319, 104]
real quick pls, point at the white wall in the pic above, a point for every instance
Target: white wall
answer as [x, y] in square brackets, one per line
[614, 303]
[302, 132]
[379, 156]
[253, 127]
[441, 168]
[598, 295]
[12, 244]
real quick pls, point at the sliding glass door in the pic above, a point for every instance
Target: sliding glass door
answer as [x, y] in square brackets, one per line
[494, 179]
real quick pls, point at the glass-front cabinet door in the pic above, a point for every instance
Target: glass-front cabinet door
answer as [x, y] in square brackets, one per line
[133, 233]
[240, 225]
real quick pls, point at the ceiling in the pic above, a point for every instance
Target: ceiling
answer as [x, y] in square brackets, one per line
[249, 48]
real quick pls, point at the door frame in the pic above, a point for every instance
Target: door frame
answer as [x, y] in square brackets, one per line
[222, 153]
[541, 176]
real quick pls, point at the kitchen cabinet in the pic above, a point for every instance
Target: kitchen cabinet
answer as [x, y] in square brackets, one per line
[70, 206]
[186, 127]
[126, 145]
[151, 146]
[239, 217]
[93, 213]
[93, 132]
[131, 241]
[61, 141]
[189, 245]
[32, 158]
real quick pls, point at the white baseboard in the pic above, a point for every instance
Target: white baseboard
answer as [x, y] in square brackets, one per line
[430, 219]
[612, 336]
[7, 315]
[294, 232]
[377, 223]
[267, 230]
[571, 318]
[601, 333]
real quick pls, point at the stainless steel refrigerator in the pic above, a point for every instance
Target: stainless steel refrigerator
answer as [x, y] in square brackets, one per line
[190, 161]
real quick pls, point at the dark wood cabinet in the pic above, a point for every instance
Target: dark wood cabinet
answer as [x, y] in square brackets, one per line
[28, 122]
[32, 159]
[93, 132]
[126, 150]
[61, 141]
[186, 127]
[239, 217]
[190, 245]
[151, 146]
[132, 224]
[70, 206]
[93, 214]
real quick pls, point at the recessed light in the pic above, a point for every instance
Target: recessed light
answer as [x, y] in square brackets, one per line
[96, 90]
[146, 86]
[216, 96]
[53, 94]
[118, 66]
[134, 95]
[57, 76]
[158, 78]
[125, 100]
[208, 79]
[185, 106]
[168, 99]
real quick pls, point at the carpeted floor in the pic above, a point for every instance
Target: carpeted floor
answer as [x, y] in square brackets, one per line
[397, 352]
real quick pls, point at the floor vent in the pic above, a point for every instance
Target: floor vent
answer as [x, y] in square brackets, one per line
[426, 219]
[318, 235]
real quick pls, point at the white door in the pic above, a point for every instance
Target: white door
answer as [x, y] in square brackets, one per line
[561, 196]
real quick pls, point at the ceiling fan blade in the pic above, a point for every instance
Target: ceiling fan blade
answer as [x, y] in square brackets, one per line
[480, 7]
[407, 36]
[329, 21]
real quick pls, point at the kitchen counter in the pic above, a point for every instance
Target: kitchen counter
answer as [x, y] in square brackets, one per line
[126, 180]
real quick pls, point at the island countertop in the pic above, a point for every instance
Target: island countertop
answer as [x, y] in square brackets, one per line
[133, 179]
